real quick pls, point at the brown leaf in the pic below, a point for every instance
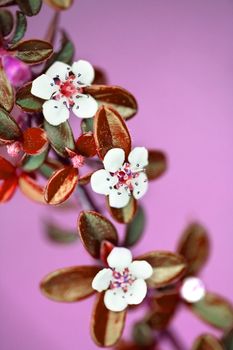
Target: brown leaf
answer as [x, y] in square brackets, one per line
[207, 342]
[7, 170]
[69, 284]
[85, 179]
[163, 306]
[6, 91]
[157, 164]
[34, 141]
[194, 245]
[31, 188]
[168, 267]
[9, 129]
[33, 51]
[124, 215]
[106, 326]
[61, 185]
[7, 189]
[85, 145]
[93, 229]
[110, 131]
[215, 311]
[100, 76]
[116, 97]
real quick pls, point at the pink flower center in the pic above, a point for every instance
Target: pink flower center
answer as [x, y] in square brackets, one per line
[121, 280]
[68, 89]
[125, 176]
[14, 149]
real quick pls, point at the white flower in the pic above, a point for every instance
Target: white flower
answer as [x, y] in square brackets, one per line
[192, 289]
[62, 88]
[124, 280]
[119, 180]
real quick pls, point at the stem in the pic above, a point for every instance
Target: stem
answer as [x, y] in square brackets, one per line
[173, 339]
[88, 197]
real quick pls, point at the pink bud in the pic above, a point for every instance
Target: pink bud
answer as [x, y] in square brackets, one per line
[14, 148]
[77, 161]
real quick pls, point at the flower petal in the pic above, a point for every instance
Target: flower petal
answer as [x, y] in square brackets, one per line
[138, 157]
[84, 71]
[102, 280]
[115, 300]
[141, 269]
[114, 159]
[102, 181]
[55, 112]
[85, 106]
[140, 185]
[58, 70]
[136, 292]
[119, 258]
[119, 198]
[43, 87]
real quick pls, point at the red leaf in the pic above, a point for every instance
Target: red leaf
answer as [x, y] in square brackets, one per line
[7, 189]
[34, 141]
[61, 185]
[157, 164]
[110, 131]
[31, 188]
[85, 145]
[7, 170]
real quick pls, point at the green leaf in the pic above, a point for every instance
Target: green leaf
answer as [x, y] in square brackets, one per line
[6, 22]
[60, 137]
[87, 125]
[30, 7]
[26, 101]
[207, 342]
[32, 163]
[59, 235]
[135, 228]
[49, 166]
[215, 311]
[93, 229]
[33, 51]
[20, 28]
[6, 91]
[227, 340]
[9, 129]
[143, 335]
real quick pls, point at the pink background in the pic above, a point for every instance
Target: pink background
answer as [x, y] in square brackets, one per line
[176, 57]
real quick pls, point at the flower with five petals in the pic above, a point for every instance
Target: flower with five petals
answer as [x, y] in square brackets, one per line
[62, 88]
[122, 178]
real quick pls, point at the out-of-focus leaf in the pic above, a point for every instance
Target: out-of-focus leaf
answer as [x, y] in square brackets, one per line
[60, 137]
[33, 51]
[31, 189]
[135, 228]
[207, 342]
[110, 131]
[143, 335]
[65, 54]
[49, 166]
[215, 311]
[60, 4]
[20, 28]
[93, 229]
[7, 189]
[100, 76]
[115, 97]
[6, 3]
[168, 267]
[29, 7]
[163, 306]
[34, 141]
[194, 245]
[87, 125]
[227, 340]
[6, 22]
[105, 249]
[9, 129]
[157, 164]
[32, 163]
[59, 235]
[26, 101]
[106, 326]
[124, 215]
[85, 145]
[6, 91]
[69, 284]
[61, 185]
[7, 170]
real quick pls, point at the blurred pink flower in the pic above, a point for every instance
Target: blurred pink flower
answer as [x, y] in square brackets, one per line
[17, 72]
